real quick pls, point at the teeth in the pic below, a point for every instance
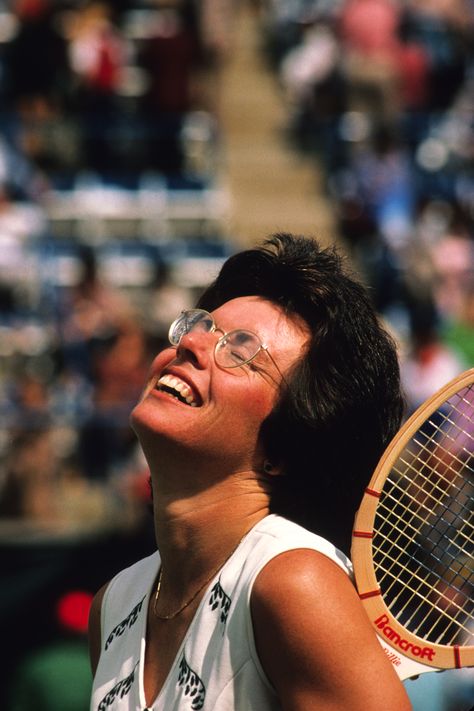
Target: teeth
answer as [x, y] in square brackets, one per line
[184, 391]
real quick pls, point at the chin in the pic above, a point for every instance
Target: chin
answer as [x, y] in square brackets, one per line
[152, 430]
[138, 421]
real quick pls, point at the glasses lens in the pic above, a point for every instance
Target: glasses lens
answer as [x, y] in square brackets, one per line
[237, 348]
[189, 321]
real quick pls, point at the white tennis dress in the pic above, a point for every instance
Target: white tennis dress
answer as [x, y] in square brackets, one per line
[217, 665]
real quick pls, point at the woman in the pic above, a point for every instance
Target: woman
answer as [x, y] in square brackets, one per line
[269, 409]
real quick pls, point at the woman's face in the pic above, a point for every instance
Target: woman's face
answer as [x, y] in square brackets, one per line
[193, 403]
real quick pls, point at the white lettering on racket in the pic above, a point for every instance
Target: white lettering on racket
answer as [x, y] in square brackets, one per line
[424, 652]
[394, 658]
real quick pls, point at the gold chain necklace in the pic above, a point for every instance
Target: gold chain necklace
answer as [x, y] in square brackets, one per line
[195, 594]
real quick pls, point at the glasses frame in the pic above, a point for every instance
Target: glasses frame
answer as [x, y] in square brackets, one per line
[212, 329]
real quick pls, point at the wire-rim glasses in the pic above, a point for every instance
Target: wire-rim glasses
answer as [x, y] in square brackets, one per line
[233, 349]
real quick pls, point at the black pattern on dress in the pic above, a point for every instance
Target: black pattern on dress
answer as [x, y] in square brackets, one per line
[121, 689]
[193, 685]
[220, 599]
[128, 622]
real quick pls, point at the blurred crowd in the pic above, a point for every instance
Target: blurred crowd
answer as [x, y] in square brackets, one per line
[111, 219]
[381, 92]
[112, 215]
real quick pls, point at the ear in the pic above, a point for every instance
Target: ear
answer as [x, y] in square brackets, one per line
[271, 469]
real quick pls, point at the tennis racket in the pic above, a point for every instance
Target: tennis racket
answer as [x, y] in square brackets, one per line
[413, 543]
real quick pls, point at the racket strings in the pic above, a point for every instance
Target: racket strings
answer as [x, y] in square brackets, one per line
[431, 490]
[423, 533]
[422, 570]
[409, 585]
[410, 578]
[429, 496]
[410, 525]
[402, 530]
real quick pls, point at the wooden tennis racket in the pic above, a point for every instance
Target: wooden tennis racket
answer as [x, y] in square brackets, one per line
[413, 543]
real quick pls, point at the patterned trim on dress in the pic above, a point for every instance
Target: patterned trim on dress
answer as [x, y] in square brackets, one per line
[220, 599]
[128, 622]
[121, 689]
[193, 685]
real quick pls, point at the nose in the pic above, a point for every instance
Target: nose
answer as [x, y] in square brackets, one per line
[196, 347]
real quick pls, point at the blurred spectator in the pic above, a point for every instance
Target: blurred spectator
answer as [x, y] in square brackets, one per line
[453, 257]
[30, 473]
[168, 298]
[369, 28]
[22, 224]
[309, 63]
[18, 177]
[91, 314]
[428, 364]
[36, 64]
[413, 70]
[169, 56]
[441, 30]
[22, 221]
[215, 25]
[70, 396]
[370, 44]
[37, 84]
[97, 54]
[316, 92]
[458, 330]
[119, 371]
[384, 184]
[105, 359]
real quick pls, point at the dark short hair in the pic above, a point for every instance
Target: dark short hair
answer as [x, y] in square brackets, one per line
[343, 403]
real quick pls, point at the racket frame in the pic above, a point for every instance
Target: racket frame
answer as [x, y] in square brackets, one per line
[411, 655]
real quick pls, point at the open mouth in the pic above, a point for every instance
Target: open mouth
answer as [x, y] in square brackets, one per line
[178, 389]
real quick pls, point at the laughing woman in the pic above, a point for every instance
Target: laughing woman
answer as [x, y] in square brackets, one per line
[261, 424]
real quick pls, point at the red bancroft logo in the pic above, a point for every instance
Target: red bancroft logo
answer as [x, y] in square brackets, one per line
[423, 652]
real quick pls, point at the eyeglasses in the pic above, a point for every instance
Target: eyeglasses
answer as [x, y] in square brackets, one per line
[233, 349]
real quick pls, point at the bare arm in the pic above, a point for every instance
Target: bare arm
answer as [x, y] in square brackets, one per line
[95, 633]
[315, 641]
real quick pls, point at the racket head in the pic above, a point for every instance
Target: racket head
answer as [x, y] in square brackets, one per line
[412, 544]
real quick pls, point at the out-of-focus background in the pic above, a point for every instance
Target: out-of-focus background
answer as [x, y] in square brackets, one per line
[141, 143]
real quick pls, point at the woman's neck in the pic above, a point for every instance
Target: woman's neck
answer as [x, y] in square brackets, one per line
[198, 531]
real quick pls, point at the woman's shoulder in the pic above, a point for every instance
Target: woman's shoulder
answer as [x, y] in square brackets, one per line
[275, 534]
[304, 606]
